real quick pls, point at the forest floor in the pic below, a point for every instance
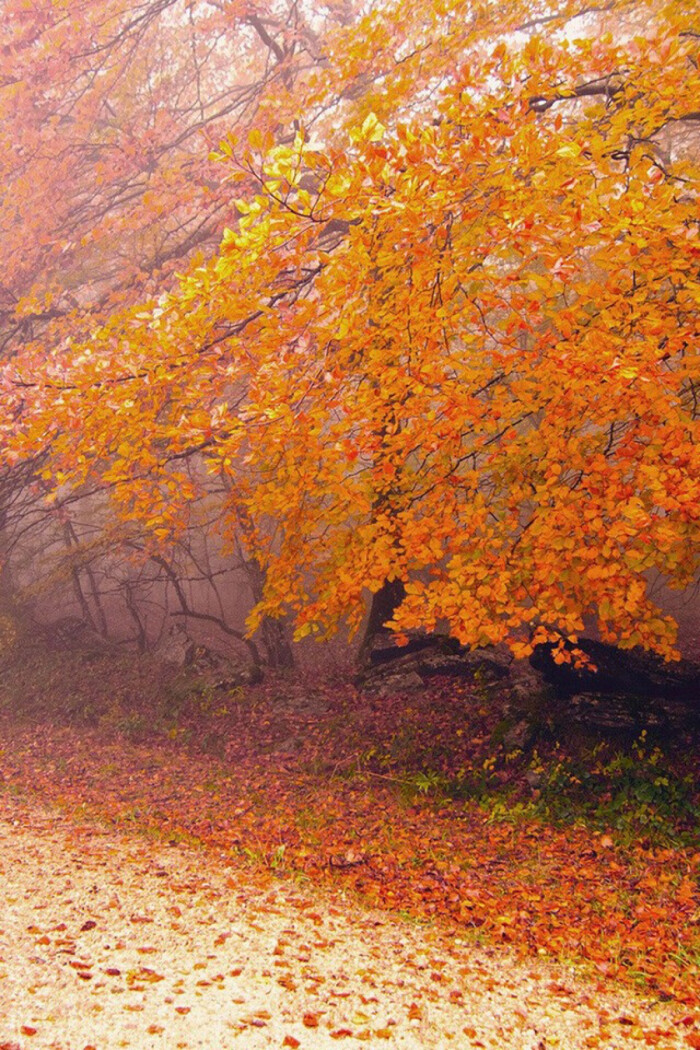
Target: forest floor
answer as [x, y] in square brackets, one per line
[519, 891]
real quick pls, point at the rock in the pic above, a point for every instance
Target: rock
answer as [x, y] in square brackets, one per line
[630, 688]
[390, 668]
[223, 672]
[609, 711]
[209, 669]
[520, 736]
[176, 648]
[391, 684]
[70, 632]
[527, 687]
[312, 707]
[432, 655]
[619, 670]
[534, 779]
[486, 665]
[385, 649]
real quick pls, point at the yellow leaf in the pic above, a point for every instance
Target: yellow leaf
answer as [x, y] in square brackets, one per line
[571, 150]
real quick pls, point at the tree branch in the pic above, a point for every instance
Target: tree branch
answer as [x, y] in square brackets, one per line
[540, 103]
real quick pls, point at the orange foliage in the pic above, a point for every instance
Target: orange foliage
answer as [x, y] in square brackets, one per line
[450, 338]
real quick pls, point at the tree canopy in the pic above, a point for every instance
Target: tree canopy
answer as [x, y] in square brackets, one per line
[449, 336]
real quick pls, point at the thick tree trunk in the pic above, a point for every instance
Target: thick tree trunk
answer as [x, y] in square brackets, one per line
[274, 633]
[383, 605]
[275, 639]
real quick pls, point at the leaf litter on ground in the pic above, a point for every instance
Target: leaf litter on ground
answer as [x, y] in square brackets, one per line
[321, 784]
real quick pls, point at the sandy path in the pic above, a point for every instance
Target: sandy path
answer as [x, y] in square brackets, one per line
[110, 941]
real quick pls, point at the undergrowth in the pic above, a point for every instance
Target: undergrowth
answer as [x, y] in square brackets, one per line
[643, 788]
[642, 791]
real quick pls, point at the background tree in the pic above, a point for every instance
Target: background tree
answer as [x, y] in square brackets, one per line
[108, 113]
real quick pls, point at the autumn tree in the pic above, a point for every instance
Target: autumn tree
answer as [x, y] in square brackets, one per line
[108, 113]
[449, 344]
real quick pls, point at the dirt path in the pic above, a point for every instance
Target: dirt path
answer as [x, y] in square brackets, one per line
[111, 941]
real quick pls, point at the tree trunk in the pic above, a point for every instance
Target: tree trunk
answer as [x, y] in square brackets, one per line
[274, 633]
[275, 639]
[384, 603]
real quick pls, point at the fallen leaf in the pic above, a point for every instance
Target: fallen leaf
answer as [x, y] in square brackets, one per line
[150, 976]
